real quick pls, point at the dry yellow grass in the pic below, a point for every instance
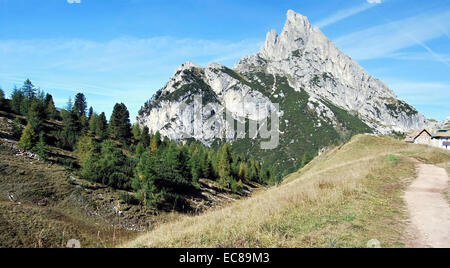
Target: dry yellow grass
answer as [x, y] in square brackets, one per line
[342, 199]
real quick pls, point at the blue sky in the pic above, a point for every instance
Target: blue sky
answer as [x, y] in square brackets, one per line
[125, 50]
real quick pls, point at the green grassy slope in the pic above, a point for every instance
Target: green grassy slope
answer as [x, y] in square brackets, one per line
[343, 198]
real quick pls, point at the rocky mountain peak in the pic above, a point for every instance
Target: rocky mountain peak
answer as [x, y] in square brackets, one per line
[295, 34]
[323, 96]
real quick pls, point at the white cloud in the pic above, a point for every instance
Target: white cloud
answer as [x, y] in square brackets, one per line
[74, 1]
[346, 13]
[124, 69]
[385, 40]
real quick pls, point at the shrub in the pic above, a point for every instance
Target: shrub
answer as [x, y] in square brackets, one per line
[17, 128]
[129, 199]
[70, 164]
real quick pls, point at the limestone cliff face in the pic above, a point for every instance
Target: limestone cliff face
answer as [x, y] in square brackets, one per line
[302, 70]
[173, 109]
[313, 63]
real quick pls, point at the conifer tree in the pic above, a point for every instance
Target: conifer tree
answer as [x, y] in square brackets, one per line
[155, 142]
[145, 137]
[2, 99]
[71, 130]
[306, 159]
[93, 121]
[90, 113]
[242, 174]
[28, 138]
[102, 127]
[140, 149]
[85, 148]
[50, 109]
[225, 164]
[28, 89]
[80, 104]
[120, 123]
[136, 130]
[36, 114]
[254, 170]
[41, 148]
[206, 165]
[17, 97]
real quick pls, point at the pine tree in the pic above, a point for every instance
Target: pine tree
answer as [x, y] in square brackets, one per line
[136, 130]
[254, 170]
[41, 148]
[120, 123]
[266, 174]
[242, 174]
[145, 137]
[69, 105]
[71, 130]
[102, 127]
[90, 113]
[155, 142]
[85, 148]
[17, 98]
[36, 114]
[225, 165]
[28, 89]
[84, 123]
[80, 105]
[50, 109]
[2, 99]
[93, 121]
[28, 138]
[206, 165]
[306, 159]
[140, 149]
[195, 162]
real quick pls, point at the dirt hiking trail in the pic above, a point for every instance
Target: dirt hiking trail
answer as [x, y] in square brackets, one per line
[429, 211]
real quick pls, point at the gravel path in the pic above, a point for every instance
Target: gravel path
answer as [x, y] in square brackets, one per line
[428, 209]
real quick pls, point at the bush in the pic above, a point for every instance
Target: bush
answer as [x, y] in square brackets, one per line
[2, 100]
[69, 164]
[17, 129]
[129, 199]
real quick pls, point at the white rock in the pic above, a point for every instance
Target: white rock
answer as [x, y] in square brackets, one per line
[314, 63]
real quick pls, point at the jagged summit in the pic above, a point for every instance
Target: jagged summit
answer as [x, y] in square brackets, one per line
[295, 35]
[313, 63]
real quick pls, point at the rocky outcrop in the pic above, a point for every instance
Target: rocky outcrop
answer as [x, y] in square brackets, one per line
[313, 63]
